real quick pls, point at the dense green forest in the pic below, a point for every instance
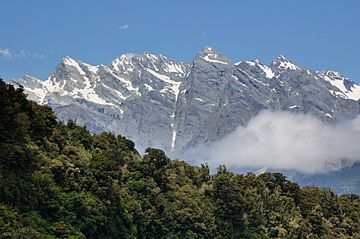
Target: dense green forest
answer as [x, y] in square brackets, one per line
[60, 181]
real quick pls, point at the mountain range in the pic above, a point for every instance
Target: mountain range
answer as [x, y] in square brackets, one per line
[175, 106]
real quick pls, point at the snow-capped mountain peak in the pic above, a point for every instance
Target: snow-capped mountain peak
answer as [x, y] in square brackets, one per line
[210, 54]
[332, 74]
[345, 88]
[282, 63]
[123, 63]
[73, 66]
[151, 56]
[70, 62]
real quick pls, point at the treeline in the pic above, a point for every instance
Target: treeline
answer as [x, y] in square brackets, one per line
[60, 181]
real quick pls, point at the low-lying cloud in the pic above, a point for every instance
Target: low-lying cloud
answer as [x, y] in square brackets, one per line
[286, 141]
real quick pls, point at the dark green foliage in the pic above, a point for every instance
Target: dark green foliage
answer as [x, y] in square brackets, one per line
[60, 181]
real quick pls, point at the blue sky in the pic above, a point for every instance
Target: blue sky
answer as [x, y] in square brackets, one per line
[35, 35]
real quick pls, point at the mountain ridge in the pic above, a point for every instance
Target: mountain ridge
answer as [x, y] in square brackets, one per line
[159, 102]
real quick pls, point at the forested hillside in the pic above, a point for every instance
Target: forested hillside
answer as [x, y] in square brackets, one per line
[60, 181]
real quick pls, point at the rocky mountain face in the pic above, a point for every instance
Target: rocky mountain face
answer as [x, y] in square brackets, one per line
[134, 96]
[159, 102]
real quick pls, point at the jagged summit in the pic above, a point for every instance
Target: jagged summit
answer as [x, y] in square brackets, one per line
[209, 50]
[282, 63]
[344, 87]
[124, 62]
[331, 73]
[150, 55]
[257, 68]
[75, 66]
[128, 56]
[210, 54]
[131, 63]
[281, 58]
[67, 58]
[26, 76]
[69, 61]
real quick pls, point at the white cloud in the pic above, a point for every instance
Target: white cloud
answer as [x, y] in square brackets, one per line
[4, 52]
[282, 140]
[123, 27]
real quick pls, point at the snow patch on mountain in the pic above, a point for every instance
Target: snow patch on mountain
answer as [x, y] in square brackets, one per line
[128, 85]
[335, 79]
[267, 70]
[174, 68]
[71, 62]
[123, 63]
[89, 94]
[207, 58]
[173, 85]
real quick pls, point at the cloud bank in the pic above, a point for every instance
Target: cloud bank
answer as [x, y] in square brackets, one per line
[286, 141]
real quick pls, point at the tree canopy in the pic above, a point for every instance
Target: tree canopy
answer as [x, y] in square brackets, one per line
[60, 181]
